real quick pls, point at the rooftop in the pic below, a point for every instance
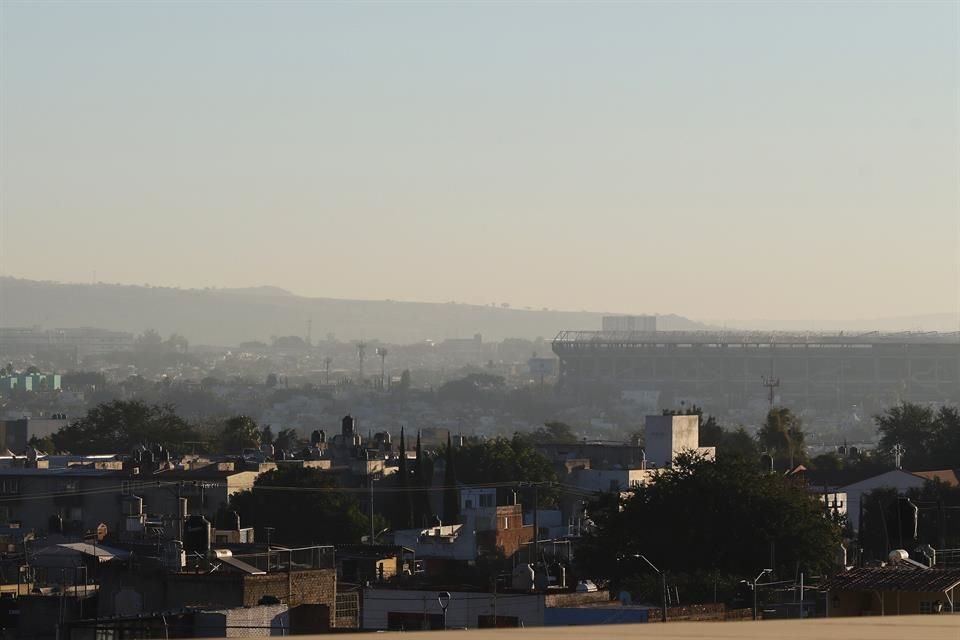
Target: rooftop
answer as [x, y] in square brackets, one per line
[896, 579]
[932, 627]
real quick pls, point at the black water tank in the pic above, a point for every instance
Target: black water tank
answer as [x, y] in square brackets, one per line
[196, 535]
[347, 425]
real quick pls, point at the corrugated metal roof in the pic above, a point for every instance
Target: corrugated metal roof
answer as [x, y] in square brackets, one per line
[894, 579]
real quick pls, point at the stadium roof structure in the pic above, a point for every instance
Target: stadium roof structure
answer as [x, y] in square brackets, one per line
[771, 338]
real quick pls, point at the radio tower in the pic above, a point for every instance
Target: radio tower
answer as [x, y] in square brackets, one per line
[382, 352]
[361, 354]
[771, 383]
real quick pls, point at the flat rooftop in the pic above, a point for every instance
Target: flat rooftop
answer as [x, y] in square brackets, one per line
[928, 627]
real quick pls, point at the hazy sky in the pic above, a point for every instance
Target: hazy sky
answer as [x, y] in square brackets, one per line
[719, 160]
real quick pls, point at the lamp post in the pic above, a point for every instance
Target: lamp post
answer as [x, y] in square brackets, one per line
[269, 530]
[754, 586]
[444, 599]
[663, 584]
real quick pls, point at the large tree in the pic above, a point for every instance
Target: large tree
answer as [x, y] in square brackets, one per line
[711, 520]
[928, 438]
[554, 433]
[121, 425]
[887, 520]
[504, 460]
[304, 506]
[239, 433]
[782, 437]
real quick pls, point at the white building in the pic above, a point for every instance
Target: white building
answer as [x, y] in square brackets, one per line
[667, 436]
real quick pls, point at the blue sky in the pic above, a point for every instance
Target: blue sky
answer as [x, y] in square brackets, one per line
[722, 160]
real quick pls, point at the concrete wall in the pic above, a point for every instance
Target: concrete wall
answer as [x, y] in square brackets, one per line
[609, 480]
[666, 436]
[889, 603]
[463, 611]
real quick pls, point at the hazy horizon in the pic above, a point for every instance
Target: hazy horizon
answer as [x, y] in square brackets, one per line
[777, 161]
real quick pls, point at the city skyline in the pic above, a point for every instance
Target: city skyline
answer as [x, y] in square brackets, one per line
[784, 162]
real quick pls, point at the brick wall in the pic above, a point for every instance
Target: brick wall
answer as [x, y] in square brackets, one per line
[243, 622]
[314, 586]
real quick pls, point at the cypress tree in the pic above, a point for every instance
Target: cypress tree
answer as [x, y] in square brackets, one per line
[421, 497]
[404, 518]
[451, 501]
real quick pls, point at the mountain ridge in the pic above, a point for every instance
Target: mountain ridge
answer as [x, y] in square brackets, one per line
[230, 316]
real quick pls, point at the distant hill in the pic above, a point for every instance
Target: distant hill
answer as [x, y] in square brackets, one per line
[230, 316]
[943, 322]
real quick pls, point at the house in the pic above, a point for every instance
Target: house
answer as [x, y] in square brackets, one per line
[856, 484]
[892, 590]
[78, 498]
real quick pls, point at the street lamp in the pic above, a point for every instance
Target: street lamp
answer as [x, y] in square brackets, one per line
[269, 530]
[663, 583]
[753, 585]
[444, 599]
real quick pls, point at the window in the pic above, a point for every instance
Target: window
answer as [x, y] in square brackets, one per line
[486, 500]
[9, 487]
[468, 504]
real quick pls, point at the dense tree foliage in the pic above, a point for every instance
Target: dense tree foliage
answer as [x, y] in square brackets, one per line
[239, 433]
[554, 433]
[81, 379]
[287, 440]
[781, 437]
[887, 519]
[121, 425]
[505, 460]
[929, 438]
[711, 521]
[730, 443]
[475, 389]
[304, 506]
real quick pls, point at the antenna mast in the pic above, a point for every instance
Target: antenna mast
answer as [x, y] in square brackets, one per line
[771, 383]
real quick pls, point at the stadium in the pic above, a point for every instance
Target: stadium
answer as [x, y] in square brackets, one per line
[733, 370]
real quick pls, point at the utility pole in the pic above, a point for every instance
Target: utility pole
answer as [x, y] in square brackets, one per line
[370, 480]
[898, 452]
